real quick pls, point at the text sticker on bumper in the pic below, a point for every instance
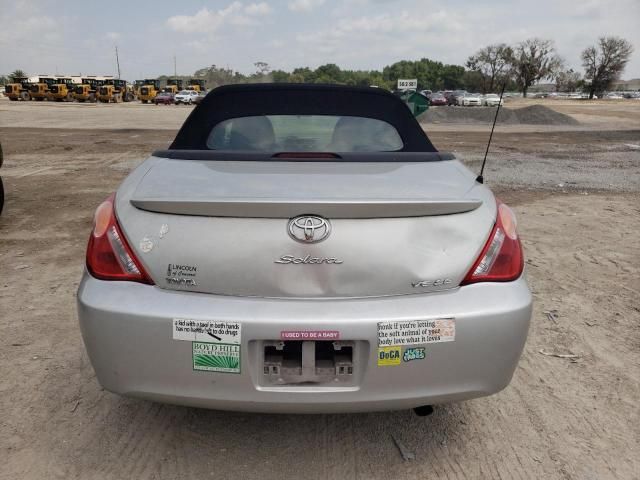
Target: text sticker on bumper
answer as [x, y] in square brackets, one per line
[416, 332]
[215, 357]
[206, 331]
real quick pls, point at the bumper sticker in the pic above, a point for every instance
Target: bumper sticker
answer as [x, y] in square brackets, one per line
[413, 353]
[416, 332]
[216, 357]
[310, 335]
[206, 331]
[183, 275]
[389, 356]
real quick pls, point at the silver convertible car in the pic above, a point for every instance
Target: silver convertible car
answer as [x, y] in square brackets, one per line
[303, 248]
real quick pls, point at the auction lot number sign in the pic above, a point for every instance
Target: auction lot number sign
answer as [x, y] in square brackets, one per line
[407, 84]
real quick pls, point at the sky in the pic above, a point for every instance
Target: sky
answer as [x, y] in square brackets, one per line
[79, 37]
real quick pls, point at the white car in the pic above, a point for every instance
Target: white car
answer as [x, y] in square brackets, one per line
[492, 100]
[470, 99]
[186, 96]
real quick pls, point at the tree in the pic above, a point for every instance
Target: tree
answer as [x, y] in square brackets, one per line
[533, 60]
[452, 77]
[262, 68]
[329, 73]
[17, 73]
[605, 62]
[473, 81]
[216, 76]
[492, 62]
[430, 74]
[567, 80]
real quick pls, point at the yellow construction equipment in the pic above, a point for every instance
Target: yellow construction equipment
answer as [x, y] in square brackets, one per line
[115, 91]
[40, 91]
[61, 90]
[18, 89]
[149, 90]
[197, 84]
[87, 91]
[173, 86]
[136, 87]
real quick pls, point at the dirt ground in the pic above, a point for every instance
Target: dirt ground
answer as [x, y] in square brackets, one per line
[566, 418]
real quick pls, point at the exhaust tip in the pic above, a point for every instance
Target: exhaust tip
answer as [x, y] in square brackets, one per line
[424, 410]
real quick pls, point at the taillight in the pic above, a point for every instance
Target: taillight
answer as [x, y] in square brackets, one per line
[108, 255]
[501, 259]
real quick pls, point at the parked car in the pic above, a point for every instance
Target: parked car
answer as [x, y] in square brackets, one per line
[303, 248]
[199, 98]
[452, 98]
[186, 96]
[492, 100]
[164, 98]
[470, 99]
[437, 99]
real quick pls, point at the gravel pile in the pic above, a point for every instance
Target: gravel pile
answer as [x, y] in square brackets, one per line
[531, 115]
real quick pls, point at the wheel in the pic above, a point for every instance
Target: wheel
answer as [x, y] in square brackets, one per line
[145, 101]
[13, 99]
[24, 96]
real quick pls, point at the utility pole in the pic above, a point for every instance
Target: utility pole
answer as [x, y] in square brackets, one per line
[118, 62]
[175, 70]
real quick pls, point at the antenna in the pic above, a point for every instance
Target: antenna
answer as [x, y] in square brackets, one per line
[118, 62]
[480, 178]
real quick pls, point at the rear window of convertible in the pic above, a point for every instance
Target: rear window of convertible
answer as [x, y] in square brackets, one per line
[305, 133]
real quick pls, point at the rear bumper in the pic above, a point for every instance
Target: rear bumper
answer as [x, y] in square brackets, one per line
[127, 331]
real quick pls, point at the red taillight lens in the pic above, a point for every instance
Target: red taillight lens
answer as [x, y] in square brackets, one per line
[108, 255]
[501, 259]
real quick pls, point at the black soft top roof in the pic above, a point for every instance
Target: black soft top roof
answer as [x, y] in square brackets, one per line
[233, 101]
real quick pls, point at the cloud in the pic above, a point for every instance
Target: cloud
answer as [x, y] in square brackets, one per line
[304, 5]
[209, 21]
[399, 35]
[261, 8]
[15, 29]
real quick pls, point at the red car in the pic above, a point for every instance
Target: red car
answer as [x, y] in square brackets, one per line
[165, 98]
[438, 99]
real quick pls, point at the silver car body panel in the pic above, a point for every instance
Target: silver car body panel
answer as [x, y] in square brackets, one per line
[127, 329]
[241, 255]
[286, 189]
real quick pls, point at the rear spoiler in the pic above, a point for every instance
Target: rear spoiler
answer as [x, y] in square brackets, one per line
[252, 156]
[333, 208]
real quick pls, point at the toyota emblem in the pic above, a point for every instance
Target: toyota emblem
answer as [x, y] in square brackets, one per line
[309, 228]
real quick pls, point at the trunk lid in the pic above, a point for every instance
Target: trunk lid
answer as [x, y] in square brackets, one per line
[223, 227]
